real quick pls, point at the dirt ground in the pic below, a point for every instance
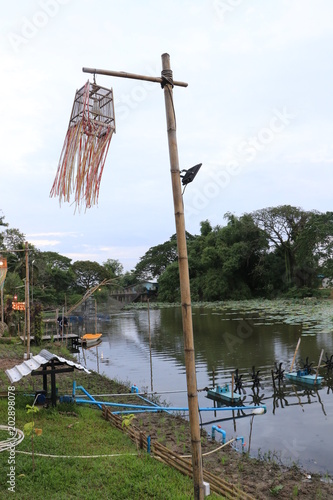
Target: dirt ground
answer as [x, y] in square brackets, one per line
[262, 479]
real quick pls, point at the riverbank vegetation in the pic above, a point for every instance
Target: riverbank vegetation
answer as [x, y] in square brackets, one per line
[274, 252]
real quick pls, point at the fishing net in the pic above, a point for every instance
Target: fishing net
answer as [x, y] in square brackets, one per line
[3, 270]
[86, 146]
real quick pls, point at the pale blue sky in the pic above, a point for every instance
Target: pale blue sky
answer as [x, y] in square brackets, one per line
[257, 113]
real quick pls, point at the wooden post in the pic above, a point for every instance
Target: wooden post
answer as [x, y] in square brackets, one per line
[27, 298]
[319, 362]
[184, 281]
[2, 311]
[150, 354]
[293, 361]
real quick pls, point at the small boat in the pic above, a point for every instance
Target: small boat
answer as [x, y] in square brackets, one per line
[219, 393]
[304, 377]
[90, 339]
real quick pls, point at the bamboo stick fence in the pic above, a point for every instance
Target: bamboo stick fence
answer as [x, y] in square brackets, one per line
[168, 457]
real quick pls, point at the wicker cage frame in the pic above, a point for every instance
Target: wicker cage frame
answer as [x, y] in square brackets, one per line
[89, 133]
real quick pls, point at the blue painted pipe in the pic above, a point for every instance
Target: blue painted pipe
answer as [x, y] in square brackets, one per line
[92, 400]
[169, 408]
[155, 408]
[135, 390]
[217, 428]
[240, 438]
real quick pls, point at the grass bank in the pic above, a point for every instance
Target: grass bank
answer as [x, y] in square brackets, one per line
[76, 431]
[70, 430]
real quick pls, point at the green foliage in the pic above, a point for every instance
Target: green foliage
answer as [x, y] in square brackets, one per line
[275, 251]
[168, 284]
[113, 267]
[276, 489]
[156, 260]
[88, 274]
[37, 322]
[29, 429]
[127, 420]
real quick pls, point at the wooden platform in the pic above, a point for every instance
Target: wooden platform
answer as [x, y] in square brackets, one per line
[57, 337]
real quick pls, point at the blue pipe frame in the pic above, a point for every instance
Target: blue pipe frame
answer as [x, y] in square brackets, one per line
[132, 408]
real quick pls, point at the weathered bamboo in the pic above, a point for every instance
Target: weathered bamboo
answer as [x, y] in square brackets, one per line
[163, 454]
[293, 361]
[320, 358]
[217, 484]
[192, 394]
[133, 76]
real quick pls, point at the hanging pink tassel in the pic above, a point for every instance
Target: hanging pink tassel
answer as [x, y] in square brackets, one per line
[86, 146]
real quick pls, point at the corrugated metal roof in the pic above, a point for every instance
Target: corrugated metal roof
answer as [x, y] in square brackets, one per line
[17, 372]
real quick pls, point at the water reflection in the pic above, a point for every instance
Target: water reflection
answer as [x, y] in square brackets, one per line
[140, 350]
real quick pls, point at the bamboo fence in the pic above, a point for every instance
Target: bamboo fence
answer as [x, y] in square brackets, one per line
[168, 457]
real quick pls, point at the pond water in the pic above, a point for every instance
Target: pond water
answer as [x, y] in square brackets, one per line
[298, 425]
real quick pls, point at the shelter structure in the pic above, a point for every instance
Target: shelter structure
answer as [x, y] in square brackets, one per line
[44, 364]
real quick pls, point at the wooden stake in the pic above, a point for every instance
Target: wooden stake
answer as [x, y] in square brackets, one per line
[150, 353]
[293, 361]
[320, 358]
[192, 394]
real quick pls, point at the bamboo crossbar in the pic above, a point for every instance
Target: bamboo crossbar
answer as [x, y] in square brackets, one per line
[133, 76]
[167, 456]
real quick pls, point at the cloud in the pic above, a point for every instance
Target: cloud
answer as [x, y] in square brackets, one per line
[44, 243]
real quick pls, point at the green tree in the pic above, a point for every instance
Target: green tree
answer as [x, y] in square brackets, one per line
[156, 260]
[37, 322]
[168, 284]
[13, 239]
[2, 224]
[114, 268]
[88, 274]
[52, 278]
[301, 239]
[224, 261]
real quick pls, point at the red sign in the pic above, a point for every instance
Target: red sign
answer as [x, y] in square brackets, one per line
[18, 306]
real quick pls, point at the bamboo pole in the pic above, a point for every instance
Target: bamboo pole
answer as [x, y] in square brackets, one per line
[133, 76]
[2, 310]
[320, 358]
[293, 361]
[192, 394]
[150, 353]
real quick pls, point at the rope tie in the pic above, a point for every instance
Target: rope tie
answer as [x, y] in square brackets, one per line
[167, 78]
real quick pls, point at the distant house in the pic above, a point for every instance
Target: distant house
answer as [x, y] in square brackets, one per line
[140, 292]
[326, 282]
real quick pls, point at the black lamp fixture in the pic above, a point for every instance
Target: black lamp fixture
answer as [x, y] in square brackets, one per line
[189, 174]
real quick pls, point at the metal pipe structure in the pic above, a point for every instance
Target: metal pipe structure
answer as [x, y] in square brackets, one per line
[216, 428]
[169, 408]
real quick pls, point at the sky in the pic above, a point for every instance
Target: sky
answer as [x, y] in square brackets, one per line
[257, 113]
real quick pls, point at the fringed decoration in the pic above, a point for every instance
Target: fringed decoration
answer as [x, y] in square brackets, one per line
[3, 270]
[86, 146]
